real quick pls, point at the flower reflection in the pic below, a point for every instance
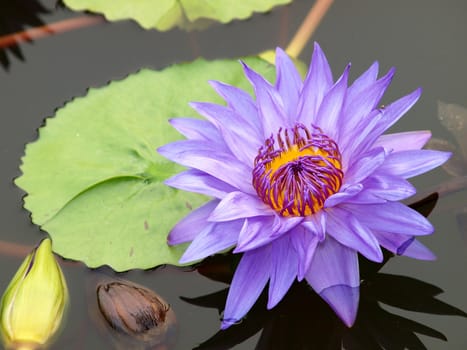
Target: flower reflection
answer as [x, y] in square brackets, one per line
[302, 320]
[14, 16]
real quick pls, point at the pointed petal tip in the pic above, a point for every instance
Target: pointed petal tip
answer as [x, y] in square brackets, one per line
[344, 301]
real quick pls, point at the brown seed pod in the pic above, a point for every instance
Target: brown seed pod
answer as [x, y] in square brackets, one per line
[136, 314]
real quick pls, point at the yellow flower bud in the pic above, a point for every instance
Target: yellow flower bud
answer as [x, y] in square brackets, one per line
[33, 305]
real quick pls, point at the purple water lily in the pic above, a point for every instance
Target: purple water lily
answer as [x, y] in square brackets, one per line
[302, 180]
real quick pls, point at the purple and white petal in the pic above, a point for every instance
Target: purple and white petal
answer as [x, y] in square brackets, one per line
[238, 205]
[189, 227]
[358, 106]
[270, 106]
[329, 112]
[317, 83]
[403, 245]
[391, 217]
[214, 238]
[414, 162]
[334, 275]
[346, 193]
[255, 233]
[196, 129]
[194, 180]
[284, 263]
[288, 83]
[386, 187]
[347, 230]
[365, 165]
[205, 157]
[362, 83]
[242, 103]
[403, 141]
[247, 284]
[417, 250]
[304, 242]
[239, 139]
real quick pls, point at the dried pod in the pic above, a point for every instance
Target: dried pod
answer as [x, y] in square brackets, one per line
[136, 314]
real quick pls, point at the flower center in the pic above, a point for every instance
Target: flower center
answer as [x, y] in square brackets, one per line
[296, 170]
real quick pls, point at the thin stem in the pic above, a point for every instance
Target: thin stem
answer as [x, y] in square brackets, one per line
[308, 27]
[451, 186]
[14, 249]
[49, 29]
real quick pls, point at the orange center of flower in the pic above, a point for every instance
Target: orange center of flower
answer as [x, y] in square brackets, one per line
[296, 171]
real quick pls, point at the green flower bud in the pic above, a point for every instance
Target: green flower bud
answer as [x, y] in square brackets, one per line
[33, 305]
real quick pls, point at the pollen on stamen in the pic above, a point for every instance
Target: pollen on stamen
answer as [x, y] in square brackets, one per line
[296, 170]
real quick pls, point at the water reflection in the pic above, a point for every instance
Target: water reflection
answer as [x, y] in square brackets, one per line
[302, 320]
[454, 119]
[14, 16]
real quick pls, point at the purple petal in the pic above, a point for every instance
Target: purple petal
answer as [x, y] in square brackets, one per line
[358, 138]
[391, 217]
[362, 83]
[196, 129]
[240, 139]
[214, 238]
[255, 233]
[412, 163]
[344, 301]
[237, 205]
[269, 102]
[284, 262]
[316, 224]
[345, 193]
[382, 186]
[204, 156]
[193, 180]
[403, 245]
[358, 106]
[187, 228]
[346, 229]
[261, 230]
[331, 107]
[242, 103]
[284, 224]
[364, 165]
[248, 282]
[317, 83]
[288, 82]
[304, 242]
[417, 250]
[334, 275]
[392, 113]
[403, 141]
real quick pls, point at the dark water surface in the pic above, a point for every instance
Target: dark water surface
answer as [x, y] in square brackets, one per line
[426, 40]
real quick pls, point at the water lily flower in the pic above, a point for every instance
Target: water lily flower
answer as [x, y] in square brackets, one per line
[34, 303]
[303, 180]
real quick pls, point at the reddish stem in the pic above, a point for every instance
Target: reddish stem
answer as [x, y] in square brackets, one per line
[49, 29]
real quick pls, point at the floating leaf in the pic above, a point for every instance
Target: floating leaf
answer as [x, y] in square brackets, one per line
[94, 178]
[166, 14]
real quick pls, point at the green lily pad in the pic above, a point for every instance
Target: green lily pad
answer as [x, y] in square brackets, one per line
[94, 180]
[166, 14]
